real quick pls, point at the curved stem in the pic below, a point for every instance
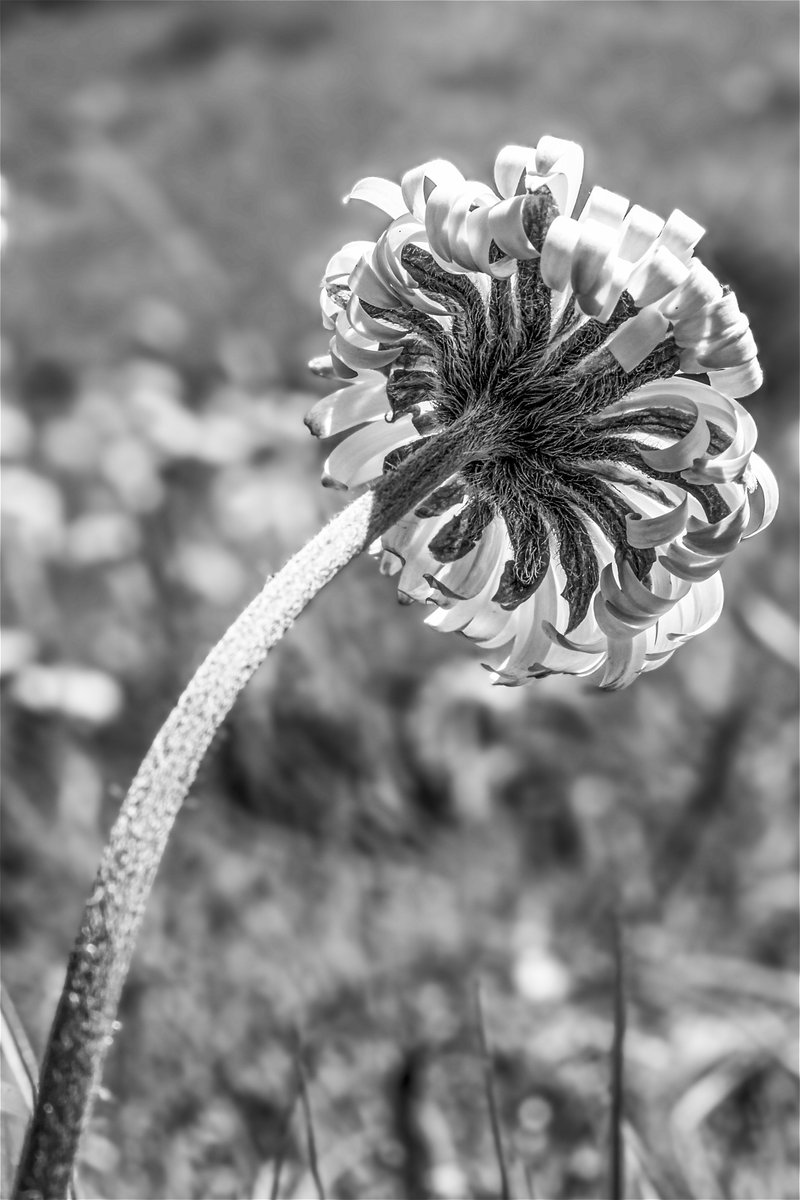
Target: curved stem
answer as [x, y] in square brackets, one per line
[84, 1022]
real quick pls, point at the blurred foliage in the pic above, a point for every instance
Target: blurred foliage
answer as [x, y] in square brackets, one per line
[377, 826]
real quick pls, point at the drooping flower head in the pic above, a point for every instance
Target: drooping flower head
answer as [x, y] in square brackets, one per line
[589, 370]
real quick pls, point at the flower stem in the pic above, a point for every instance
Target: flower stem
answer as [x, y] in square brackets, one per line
[83, 1027]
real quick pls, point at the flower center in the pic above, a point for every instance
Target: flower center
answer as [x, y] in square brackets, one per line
[524, 388]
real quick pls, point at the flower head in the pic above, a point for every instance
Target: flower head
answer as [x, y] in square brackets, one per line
[588, 371]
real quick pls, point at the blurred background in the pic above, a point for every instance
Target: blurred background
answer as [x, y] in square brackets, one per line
[377, 826]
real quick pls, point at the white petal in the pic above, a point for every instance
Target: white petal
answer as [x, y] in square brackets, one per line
[349, 406]
[634, 340]
[591, 261]
[738, 381]
[367, 285]
[643, 533]
[511, 166]
[359, 457]
[607, 208]
[696, 613]
[470, 574]
[680, 234]
[689, 564]
[505, 226]
[559, 247]
[626, 658]
[718, 537]
[372, 328]
[731, 351]
[341, 264]
[763, 497]
[559, 164]
[699, 291]
[683, 452]
[381, 193]
[639, 232]
[418, 183]
[658, 274]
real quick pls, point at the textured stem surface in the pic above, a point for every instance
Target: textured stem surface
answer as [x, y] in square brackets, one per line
[83, 1026]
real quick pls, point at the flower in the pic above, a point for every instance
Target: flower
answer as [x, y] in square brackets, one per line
[589, 371]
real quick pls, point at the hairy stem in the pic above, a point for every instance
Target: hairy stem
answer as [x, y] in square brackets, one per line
[84, 1022]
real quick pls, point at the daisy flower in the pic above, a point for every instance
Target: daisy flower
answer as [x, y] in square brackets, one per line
[582, 375]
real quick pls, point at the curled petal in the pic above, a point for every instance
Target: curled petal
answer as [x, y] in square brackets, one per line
[358, 352]
[698, 611]
[342, 262]
[472, 195]
[628, 604]
[372, 328]
[690, 565]
[381, 193]
[446, 216]
[634, 340]
[558, 251]
[495, 628]
[478, 236]
[596, 647]
[367, 285]
[506, 228]
[626, 657]
[418, 183]
[731, 351]
[559, 164]
[698, 291]
[605, 207]
[685, 394]
[763, 495]
[725, 317]
[511, 166]
[386, 262]
[359, 457]
[643, 533]
[680, 234]
[359, 358]
[729, 465]
[639, 232]
[656, 276]
[738, 381]
[322, 366]
[532, 643]
[591, 261]
[347, 407]
[470, 575]
[720, 537]
[682, 453]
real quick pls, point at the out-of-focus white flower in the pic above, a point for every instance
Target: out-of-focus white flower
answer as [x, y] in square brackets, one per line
[601, 486]
[101, 537]
[74, 691]
[32, 511]
[18, 647]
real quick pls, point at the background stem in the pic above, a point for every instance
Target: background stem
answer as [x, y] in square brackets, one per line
[98, 965]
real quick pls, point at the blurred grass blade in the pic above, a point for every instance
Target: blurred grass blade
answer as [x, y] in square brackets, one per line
[640, 1185]
[280, 1157]
[488, 1078]
[529, 1181]
[18, 1073]
[311, 1141]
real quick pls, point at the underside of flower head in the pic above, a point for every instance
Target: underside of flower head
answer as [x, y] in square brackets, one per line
[588, 371]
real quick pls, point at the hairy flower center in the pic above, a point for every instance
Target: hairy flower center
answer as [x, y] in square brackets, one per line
[524, 388]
